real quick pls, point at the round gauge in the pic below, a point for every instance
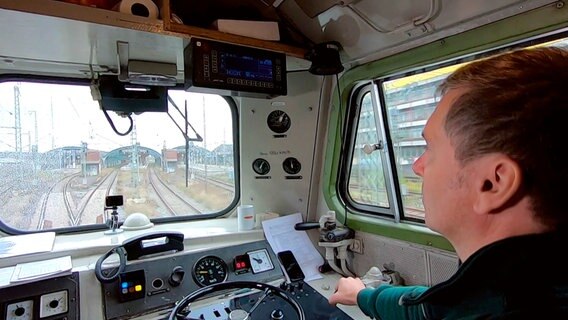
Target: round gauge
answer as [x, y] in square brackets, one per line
[260, 261]
[209, 270]
[261, 166]
[291, 165]
[278, 121]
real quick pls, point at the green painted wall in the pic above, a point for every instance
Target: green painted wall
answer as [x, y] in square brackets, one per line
[517, 28]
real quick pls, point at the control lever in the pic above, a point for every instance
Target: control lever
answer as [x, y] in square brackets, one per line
[306, 225]
[335, 239]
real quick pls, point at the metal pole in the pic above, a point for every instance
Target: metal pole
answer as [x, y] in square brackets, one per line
[17, 121]
[35, 147]
[35, 127]
[204, 143]
[186, 148]
[84, 161]
[52, 126]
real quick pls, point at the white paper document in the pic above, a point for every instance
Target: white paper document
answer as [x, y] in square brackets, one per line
[5, 276]
[41, 269]
[26, 243]
[282, 236]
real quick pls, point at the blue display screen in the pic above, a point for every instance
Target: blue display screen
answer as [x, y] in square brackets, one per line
[245, 67]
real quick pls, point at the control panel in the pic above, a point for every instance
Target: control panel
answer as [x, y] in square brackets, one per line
[55, 298]
[157, 283]
[314, 305]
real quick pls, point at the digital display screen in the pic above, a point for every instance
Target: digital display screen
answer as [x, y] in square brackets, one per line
[226, 69]
[245, 67]
[242, 264]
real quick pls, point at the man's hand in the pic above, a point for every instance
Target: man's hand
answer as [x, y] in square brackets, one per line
[346, 291]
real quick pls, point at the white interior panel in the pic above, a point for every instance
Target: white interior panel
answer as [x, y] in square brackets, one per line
[417, 265]
[279, 194]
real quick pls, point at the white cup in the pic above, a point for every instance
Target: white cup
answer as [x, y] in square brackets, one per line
[245, 217]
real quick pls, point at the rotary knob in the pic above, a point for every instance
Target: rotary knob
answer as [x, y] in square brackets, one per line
[53, 304]
[19, 311]
[177, 276]
[277, 314]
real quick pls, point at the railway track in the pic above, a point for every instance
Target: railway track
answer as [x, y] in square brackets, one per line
[174, 203]
[45, 199]
[108, 181]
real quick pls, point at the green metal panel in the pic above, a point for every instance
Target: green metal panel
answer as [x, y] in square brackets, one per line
[500, 33]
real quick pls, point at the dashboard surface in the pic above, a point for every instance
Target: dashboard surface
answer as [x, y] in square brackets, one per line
[148, 288]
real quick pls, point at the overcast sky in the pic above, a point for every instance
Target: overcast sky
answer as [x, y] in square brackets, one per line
[77, 118]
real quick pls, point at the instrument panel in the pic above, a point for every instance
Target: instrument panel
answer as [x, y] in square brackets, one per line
[152, 286]
[157, 283]
[53, 298]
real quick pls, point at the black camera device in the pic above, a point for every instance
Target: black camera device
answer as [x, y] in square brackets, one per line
[114, 201]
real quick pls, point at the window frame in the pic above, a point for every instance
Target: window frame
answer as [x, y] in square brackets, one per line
[348, 145]
[351, 124]
[4, 228]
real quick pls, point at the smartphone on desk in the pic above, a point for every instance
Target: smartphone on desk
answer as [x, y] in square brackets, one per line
[291, 265]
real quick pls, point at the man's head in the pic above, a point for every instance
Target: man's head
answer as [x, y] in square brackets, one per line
[503, 118]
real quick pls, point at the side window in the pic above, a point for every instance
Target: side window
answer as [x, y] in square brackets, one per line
[59, 158]
[367, 184]
[409, 102]
[387, 139]
[384, 128]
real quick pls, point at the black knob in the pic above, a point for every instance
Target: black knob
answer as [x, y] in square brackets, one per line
[19, 311]
[277, 314]
[53, 304]
[177, 276]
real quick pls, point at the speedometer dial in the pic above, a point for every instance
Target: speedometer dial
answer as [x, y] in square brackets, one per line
[291, 165]
[261, 166]
[209, 270]
[278, 121]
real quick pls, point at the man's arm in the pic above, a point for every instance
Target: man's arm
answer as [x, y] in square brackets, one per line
[378, 303]
[383, 302]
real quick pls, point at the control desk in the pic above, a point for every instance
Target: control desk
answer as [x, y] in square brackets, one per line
[149, 287]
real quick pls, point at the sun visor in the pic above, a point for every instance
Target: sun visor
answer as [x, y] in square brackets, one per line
[131, 98]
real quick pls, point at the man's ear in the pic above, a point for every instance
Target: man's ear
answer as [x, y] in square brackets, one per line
[498, 179]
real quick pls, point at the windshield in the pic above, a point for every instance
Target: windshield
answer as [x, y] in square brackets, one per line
[60, 158]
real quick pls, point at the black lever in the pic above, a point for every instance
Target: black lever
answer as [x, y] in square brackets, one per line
[306, 225]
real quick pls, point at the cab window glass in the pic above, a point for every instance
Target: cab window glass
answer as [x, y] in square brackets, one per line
[59, 158]
[367, 179]
[409, 100]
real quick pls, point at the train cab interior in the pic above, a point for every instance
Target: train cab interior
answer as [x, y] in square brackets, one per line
[169, 159]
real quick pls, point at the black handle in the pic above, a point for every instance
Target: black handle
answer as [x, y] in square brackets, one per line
[307, 225]
[152, 243]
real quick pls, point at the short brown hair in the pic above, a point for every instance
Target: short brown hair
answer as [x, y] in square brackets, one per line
[516, 103]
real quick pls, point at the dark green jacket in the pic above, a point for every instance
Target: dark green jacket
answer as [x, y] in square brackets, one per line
[517, 278]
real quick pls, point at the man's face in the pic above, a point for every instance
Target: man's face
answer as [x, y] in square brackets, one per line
[445, 191]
